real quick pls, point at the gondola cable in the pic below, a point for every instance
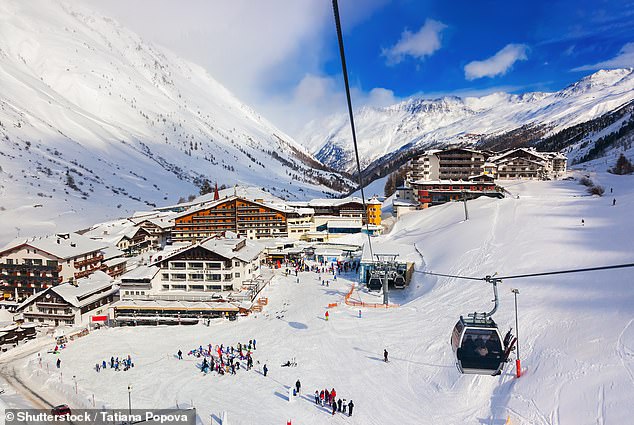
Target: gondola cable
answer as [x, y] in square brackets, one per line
[335, 7]
[476, 340]
[518, 276]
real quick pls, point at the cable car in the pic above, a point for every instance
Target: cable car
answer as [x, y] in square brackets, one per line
[375, 282]
[477, 343]
[478, 346]
[399, 281]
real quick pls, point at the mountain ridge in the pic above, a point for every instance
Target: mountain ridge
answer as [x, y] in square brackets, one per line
[95, 122]
[430, 123]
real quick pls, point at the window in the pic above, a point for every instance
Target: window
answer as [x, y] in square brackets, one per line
[236, 264]
[237, 274]
[9, 261]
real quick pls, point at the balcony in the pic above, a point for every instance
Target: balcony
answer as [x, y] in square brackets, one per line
[46, 304]
[87, 261]
[39, 314]
[85, 273]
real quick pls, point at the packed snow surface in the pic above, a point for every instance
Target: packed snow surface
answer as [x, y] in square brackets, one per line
[576, 330]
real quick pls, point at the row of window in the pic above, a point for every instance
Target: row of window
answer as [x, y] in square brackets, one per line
[197, 277]
[205, 288]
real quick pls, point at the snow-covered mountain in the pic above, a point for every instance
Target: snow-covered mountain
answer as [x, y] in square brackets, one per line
[93, 119]
[421, 123]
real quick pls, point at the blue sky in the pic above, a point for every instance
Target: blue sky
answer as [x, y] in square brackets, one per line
[281, 57]
[552, 39]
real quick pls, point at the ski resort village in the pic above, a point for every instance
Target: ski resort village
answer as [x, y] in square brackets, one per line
[392, 244]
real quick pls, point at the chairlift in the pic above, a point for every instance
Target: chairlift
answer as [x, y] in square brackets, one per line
[375, 282]
[477, 343]
[399, 281]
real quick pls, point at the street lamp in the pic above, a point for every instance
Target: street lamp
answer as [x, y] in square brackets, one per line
[517, 338]
[130, 400]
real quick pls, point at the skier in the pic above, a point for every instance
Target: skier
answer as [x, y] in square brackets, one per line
[265, 369]
[350, 406]
[385, 355]
[59, 363]
[334, 408]
[103, 365]
[339, 405]
[326, 315]
[180, 355]
[254, 343]
[298, 386]
[333, 395]
[583, 222]
[321, 397]
[614, 202]
[316, 397]
[359, 314]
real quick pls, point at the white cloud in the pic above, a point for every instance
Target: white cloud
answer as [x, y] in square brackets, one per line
[498, 64]
[316, 97]
[417, 45]
[624, 59]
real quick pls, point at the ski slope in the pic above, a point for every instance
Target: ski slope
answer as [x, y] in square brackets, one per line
[576, 331]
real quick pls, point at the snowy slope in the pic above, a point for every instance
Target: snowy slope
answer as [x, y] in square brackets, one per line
[576, 331]
[131, 124]
[432, 123]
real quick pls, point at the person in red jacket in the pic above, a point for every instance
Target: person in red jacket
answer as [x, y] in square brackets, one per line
[333, 394]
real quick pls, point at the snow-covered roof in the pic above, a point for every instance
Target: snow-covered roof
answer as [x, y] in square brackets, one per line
[344, 224]
[174, 305]
[111, 232]
[514, 152]
[84, 290]
[404, 203]
[243, 249]
[228, 248]
[115, 261]
[141, 272]
[62, 245]
[111, 252]
[325, 202]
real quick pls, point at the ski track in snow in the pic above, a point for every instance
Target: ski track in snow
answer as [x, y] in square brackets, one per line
[625, 353]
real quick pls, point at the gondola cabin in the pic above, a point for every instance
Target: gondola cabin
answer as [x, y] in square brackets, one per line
[478, 346]
[375, 282]
[399, 281]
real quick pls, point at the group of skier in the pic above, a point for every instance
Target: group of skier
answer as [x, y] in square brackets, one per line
[223, 360]
[125, 363]
[327, 398]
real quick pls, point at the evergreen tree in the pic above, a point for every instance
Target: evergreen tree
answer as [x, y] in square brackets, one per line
[206, 187]
[623, 166]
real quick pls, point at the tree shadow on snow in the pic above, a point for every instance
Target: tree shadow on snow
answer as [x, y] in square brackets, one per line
[297, 325]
